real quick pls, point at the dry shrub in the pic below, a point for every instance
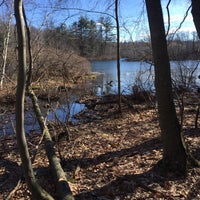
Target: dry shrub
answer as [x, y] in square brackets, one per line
[64, 67]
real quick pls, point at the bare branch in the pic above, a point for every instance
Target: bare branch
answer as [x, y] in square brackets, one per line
[85, 10]
[168, 17]
[180, 25]
[14, 190]
[28, 82]
[186, 14]
[2, 2]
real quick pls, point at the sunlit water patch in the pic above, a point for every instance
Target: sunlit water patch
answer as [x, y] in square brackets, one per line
[62, 113]
[65, 113]
[132, 73]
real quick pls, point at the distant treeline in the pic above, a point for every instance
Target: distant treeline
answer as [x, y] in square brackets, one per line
[86, 37]
[97, 40]
[178, 50]
[94, 40]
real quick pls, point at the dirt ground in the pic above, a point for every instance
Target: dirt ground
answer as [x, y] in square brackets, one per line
[109, 156]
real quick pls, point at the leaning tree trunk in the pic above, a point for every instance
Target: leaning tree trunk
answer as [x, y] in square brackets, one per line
[174, 151]
[62, 187]
[36, 190]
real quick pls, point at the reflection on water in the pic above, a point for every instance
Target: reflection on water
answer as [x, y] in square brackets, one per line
[132, 73]
[65, 113]
[57, 112]
[138, 73]
[7, 123]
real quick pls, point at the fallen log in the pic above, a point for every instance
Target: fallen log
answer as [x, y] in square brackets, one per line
[62, 186]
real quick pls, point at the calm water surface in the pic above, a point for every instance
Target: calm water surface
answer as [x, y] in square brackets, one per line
[131, 73]
[139, 73]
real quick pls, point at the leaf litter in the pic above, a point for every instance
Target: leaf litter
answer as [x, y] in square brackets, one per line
[111, 157]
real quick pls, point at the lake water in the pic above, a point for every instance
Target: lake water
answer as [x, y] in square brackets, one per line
[58, 113]
[132, 73]
[138, 73]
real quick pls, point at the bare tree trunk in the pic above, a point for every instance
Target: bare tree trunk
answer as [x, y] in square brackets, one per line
[118, 55]
[196, 15]
[5, 47]
[174, 150]
[62, 186]
[36, 190]
[196, 19]
[196, 117]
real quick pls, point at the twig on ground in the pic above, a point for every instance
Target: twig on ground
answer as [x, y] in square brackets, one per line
[14, 190]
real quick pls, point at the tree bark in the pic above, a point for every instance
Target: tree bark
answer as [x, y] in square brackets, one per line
[196, 15]
[118, 55]
[36, 190]
[174, 150]
[196, 19]
[62, 186]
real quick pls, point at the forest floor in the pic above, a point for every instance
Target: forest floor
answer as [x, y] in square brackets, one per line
[109, 156]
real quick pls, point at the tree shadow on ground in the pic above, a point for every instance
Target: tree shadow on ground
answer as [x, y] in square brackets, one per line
[126, 185]
[12, 178]
[194, 192]
[147, 146]
[130, 184]
[10, 174]
[196, 153]
[193, 133]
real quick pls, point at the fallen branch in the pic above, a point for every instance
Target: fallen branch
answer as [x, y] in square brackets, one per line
[62, 186]
[14, 190]
[37, 191]
[36, 149]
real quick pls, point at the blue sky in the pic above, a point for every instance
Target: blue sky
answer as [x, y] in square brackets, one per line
[132, 14]
[178, 11]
